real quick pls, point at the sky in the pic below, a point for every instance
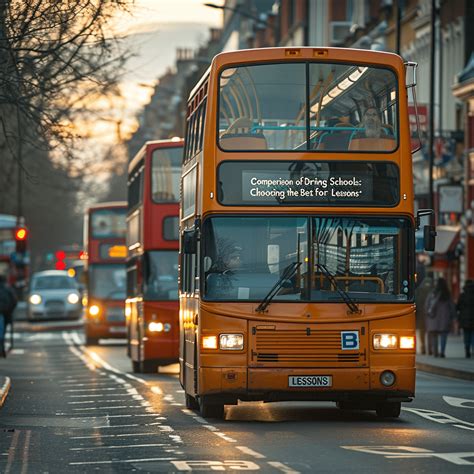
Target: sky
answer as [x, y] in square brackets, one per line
[154, 30]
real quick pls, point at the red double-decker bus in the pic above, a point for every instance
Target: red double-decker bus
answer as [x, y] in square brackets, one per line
[104, 242]
[14, 255]
[152, 268]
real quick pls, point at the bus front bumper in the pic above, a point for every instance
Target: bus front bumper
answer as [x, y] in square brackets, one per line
[228, 385]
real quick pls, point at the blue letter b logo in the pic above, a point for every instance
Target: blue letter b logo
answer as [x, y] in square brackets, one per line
[349, 340]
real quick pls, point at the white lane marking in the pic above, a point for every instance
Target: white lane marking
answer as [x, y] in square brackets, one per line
[225, 437]
[75, 337]
[157, 390]
[464, 427]
[108, 426]
[94, 389]
[91, 448]
[98, 395]
[437, 417]
[412, 452]
[137, 379]
[90, 384]
[201, 420]
[120, 461]
[121, 435]
[180, 391]
[115, 416]
[122, 400]
[116, 407]
[17, 351]
[459, 402]
[96, 358]
[166, 428]
[250, 452]
[201, 465]
[211, 428]
[281, 467]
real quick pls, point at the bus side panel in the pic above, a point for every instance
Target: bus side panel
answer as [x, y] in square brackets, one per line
[189, 314]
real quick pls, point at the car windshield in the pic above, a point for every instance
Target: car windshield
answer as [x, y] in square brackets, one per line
[161, 280]
[53, 282]
[107, 281]
[367, 258]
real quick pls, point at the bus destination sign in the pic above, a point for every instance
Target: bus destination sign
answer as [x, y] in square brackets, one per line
[306, 183]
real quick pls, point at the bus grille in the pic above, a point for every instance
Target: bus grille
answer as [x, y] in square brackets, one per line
[295, 346]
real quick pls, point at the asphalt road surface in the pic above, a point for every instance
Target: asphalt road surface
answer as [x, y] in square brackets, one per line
[80, 409]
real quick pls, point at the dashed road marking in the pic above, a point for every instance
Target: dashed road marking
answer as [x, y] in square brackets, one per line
[127, 461]
[93, 448]
[250, 452]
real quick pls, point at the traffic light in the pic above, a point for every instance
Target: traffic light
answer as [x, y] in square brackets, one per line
[21, 237]
[60, 263]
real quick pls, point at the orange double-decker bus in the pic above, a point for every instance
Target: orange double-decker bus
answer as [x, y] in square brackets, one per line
[297, 231]
[152, 267]
[105, 250]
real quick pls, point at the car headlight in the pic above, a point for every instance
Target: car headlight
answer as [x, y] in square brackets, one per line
[231, 342]
[35, 299]
[73, 298]
[94, 310]
[385, 341]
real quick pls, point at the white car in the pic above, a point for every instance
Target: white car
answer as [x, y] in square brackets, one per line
[53, 294]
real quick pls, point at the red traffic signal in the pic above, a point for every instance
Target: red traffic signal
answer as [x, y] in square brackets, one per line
[21, 234]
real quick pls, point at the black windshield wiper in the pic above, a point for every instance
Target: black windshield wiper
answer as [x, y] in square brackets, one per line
[353, 308]
[288, 273]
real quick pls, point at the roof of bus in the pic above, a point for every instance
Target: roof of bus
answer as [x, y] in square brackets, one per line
[168, 143]
[297, 53]
[105, 205]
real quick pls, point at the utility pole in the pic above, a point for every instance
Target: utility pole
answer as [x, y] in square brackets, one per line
[432, 105]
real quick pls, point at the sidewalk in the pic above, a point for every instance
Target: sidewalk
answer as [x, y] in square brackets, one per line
[454, 365]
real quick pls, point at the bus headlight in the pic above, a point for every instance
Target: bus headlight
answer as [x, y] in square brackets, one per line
[155, 327]
[94, 310]
[209, 342]
[35, 299]
[407, 342]
[231, 342]
[73, 298]
[385, 341]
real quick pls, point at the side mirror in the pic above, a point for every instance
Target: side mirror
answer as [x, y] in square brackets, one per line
[429, 237]
[189, 241]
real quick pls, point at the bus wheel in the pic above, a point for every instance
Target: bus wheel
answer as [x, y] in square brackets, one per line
[148, 367]
[92, 341]
[191, 402]
[135, 367]
[388, 409]
[211, 411]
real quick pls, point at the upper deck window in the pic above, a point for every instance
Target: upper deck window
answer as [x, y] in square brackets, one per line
[108, 223]
[308, 106]
[166, 173]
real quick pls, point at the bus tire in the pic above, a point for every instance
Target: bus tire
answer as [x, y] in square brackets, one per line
[388, 409]
[92, 341]
[190, 402]
[135, 367]
[211, 411]
[148, 367]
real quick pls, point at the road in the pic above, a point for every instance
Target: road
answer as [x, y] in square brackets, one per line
[80, 409]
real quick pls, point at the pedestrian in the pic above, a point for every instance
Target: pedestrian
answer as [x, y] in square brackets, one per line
[421, 294]
[465, 312]
[7, 305]
[440, 312]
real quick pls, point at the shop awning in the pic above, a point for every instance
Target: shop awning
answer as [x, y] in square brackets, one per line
[447, 238]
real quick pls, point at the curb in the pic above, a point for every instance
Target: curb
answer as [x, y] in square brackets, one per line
[4, 390]
[445, 371]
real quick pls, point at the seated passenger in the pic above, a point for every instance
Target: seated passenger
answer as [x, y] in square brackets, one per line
[374, 135]
[239, 136]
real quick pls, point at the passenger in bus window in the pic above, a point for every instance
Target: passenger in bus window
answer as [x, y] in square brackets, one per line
[374, 135]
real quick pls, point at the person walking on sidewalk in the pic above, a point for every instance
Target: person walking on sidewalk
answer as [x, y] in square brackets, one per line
[465, 310]
[440, 312]
[421, 294]
[7, 305]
